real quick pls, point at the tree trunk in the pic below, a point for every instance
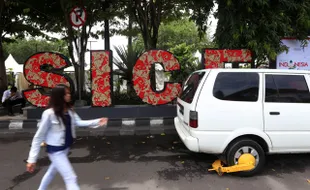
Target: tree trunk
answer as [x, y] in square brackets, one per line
[145, 41]
[106, 34]
[235, 65]
[71, 42]
[83, 46]
[118, 86]
[272, 64]
[76, 75]
[148, 16]
[3, 77]
[82, 67]
[130, 22]
[130, 89]
[155, 14]
[153, 42]
[146, 37]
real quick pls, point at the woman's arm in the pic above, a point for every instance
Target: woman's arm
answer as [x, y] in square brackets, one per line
[84, 123]
[39, 137]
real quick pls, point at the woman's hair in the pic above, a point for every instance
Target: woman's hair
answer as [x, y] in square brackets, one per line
[57, 100]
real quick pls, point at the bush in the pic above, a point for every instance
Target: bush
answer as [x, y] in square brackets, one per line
[119, 99]
[125, 99]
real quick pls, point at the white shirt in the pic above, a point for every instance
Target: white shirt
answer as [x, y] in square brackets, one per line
[52, 131]
[7, 94]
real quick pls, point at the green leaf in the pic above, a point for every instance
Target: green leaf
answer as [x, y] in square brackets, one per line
[27, 10]
[229, 2]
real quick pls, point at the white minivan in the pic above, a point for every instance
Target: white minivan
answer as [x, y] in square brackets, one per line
[230, 112]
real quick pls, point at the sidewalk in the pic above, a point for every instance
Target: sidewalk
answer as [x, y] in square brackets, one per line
[19, 126]
[16, 117]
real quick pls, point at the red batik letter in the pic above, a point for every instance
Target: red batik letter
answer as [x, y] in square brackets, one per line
[141, 77]
[215, 58]
[101, 68]
[47, 78]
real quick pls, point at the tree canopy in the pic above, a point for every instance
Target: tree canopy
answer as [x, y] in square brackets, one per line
[260, 25]
[150, 14]
[21, 49]
[13, 22]
[187, 60]
[54, 17]
[177, 32]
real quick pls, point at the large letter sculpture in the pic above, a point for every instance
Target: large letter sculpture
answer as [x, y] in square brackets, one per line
[141, 77]
[37, 75]
[101, 69]
[215, 58]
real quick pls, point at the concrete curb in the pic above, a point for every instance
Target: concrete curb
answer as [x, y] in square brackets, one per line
[115, 127]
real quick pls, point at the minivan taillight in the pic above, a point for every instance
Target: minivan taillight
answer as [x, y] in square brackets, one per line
[193, 119]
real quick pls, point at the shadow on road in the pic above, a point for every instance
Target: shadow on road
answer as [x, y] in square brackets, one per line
[167, 149]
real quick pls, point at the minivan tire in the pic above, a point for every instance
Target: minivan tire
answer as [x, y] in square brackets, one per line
[237, 145]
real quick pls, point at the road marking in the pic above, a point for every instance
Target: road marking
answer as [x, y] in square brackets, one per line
[156, 122]
[128, 122]
[16, 125]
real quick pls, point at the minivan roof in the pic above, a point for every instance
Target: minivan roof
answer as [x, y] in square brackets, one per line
[258, 70]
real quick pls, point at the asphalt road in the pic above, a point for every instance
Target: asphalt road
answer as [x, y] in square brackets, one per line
[146, 163]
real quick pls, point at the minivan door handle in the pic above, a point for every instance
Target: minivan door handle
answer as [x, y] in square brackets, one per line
[274, 113]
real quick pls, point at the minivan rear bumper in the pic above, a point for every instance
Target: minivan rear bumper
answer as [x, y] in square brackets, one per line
[190, 142]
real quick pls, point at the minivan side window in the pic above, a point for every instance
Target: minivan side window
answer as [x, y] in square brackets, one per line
[190, 87]
[236, 86]
[286, 89]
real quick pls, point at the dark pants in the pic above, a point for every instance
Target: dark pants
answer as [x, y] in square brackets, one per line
[10, 103]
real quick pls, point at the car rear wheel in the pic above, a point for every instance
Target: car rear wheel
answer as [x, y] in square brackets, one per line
[246, 146]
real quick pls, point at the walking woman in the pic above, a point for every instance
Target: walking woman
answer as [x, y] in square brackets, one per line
[57, 130]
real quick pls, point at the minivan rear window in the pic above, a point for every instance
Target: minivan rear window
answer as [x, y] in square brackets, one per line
[190, 87]
[236, 86]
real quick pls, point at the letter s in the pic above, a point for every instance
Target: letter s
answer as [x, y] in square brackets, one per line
[36, 74]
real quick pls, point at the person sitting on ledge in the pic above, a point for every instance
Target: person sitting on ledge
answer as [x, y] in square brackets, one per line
[12, 97]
